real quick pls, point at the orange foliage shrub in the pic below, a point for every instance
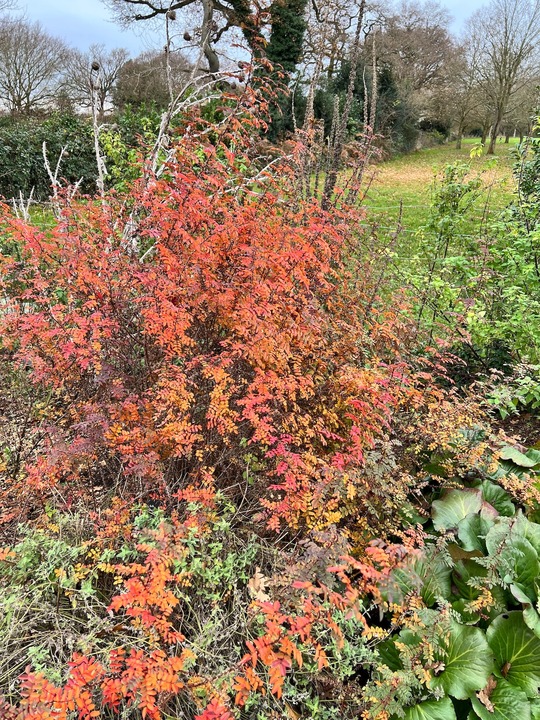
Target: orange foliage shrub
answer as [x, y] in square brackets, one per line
[207, 331]
[205, 319]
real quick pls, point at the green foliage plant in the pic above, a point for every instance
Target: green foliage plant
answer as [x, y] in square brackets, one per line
[468, 641]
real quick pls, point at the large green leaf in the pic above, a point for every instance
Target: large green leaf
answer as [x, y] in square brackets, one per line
[532, 619]
[505, 702]
[531, 531]
[468, 617]
[389, 655]
[468, 662]
[454, 506]
[522, 594]
[432, 710]
[533, 455]
[467, 578]
[497, 497]
[472, 530]
[437, 580]
[517, 652]
[506, 529]
[429, 576]
[518, 563]
[535, 710]
[511, 453]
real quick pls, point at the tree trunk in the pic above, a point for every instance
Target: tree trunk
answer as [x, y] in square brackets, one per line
[495, 128]
[485, 131]
[206, 39]
[341, 128]
[507, 136]
[493, 136]
[459, 136]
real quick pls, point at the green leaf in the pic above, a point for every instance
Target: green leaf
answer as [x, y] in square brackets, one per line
[432, 710]
[437, 582]
[497, 497]
[467, 617]
[472, 531]
[468, 662]
[533, 455]
[517, 652]
[389, 655]
[467, 577]
[509, 467]
[519, 560]
[454, 506]
[508, 703]
[506, 529]
[521, 593]
[532, 619]
[511, 453]
[535, 709]
[429, 576]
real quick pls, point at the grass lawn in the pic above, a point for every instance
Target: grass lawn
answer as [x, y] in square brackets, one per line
[409, 180]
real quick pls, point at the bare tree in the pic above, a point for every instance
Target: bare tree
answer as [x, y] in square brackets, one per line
[31, 63]
[417, 44]
[519, 116]
[92, 76]
[213, 19]
[330, 26]
[507, 33]
[464, 97]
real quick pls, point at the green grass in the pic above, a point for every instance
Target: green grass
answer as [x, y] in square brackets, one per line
[407, 182]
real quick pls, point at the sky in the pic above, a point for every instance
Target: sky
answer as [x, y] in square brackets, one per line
[84, 22]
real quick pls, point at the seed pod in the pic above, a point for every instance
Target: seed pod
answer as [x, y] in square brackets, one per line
[187, 36]
[95, 66]
[171, 15]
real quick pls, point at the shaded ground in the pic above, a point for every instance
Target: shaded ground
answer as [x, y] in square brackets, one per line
[525, 428]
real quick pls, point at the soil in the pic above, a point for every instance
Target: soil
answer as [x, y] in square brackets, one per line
[525, 428]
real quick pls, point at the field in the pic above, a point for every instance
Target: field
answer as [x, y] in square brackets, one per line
[406, 183]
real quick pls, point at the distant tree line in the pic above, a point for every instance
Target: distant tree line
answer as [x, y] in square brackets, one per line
[395, 70]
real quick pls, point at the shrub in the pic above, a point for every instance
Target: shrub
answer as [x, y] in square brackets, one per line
[21, 155]
[199, 323]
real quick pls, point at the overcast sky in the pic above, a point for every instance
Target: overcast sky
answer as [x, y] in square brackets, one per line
[83, 22]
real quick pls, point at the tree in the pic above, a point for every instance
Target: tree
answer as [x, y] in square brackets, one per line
[31, 64]
[328, 33]
[143, 80]
[93, 75]
[507, 33]
[519, 116]
[216, 17]
[465, 95]
[417, 45]
[288, 27]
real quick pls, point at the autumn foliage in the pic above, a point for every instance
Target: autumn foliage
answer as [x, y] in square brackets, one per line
[205, 338]
[204, 328]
